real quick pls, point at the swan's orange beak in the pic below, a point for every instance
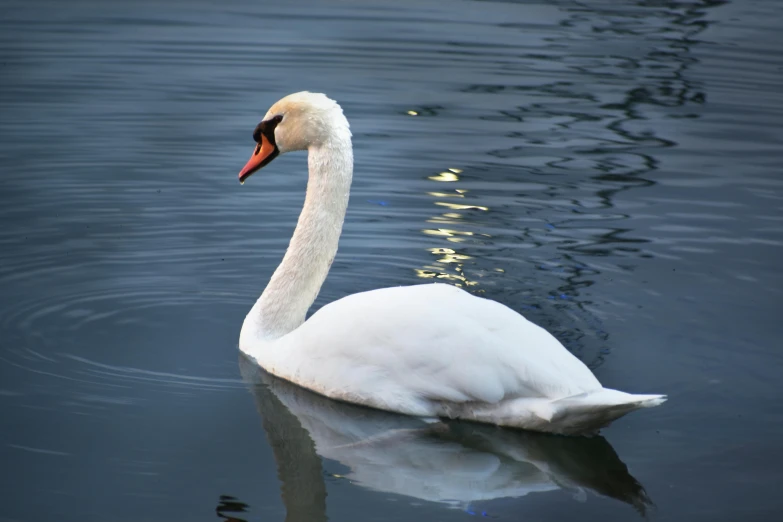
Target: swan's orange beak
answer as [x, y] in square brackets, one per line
[264, 152]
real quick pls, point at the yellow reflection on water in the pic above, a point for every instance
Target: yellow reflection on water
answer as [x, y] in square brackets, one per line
[413, 113]
[449, 264]
[457, 206]
[446, 194]
[445, 232]
[433, 272]
[444, 176]
[449, 255]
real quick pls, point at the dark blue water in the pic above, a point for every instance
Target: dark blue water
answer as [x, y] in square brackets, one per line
[613, 170]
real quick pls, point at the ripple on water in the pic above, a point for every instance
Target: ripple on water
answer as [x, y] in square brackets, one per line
[97, 337]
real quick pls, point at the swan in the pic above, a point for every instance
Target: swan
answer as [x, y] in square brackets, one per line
[429, 350]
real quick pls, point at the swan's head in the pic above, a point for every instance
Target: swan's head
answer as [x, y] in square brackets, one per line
[297, 122]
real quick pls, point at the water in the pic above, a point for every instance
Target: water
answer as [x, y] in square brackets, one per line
[612, 170]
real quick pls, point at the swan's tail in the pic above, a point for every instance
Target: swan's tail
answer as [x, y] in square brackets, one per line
[588, 412]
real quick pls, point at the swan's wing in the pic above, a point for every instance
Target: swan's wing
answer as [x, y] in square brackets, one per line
[403, 348]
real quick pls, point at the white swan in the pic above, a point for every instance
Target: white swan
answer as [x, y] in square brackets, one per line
[429, 350]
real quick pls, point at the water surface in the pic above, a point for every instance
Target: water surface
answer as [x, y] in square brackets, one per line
[610, 169]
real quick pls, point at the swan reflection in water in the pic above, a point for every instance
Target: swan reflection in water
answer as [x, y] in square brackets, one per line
[453, 463]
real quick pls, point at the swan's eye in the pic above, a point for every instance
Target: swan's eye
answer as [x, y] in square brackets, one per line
[267, 128]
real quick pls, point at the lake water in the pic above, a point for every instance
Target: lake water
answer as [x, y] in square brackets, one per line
[611, 169]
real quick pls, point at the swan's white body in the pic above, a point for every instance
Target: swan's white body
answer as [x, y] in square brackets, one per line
[428, 350]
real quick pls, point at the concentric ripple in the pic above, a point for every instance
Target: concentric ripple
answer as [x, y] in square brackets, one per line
[96, 336]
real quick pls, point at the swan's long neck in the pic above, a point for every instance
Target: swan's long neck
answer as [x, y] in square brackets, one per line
[296, 282]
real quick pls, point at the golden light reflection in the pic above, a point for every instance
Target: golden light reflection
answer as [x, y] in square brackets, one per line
[449, 264]
[446, 194]
[445, 232]
[449, 255]
[433, 272]
[457, 206]
[413, 113]
[446, 176]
